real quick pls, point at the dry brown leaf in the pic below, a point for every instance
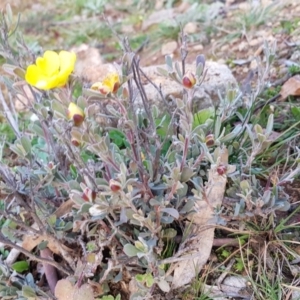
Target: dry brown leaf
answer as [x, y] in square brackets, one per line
[31, 241]
[64, 290]
[291, 87]
[64, 208]
[202, 227]
[84, 292]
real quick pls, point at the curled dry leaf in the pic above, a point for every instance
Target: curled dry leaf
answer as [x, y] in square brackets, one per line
[31, 241]
[291, 87]
[202, 226]
[65, 290]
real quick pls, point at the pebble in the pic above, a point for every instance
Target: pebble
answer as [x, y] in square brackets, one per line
[245, 70]
[242, 46]
[190, 28]
[169, 48]
[253, 64]
[255, 42]
[198, 47]
[225, 47]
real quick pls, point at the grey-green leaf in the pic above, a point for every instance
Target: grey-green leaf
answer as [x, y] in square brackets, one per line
[130, 250]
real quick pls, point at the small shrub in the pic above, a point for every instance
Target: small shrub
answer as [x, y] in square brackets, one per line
[105, 184]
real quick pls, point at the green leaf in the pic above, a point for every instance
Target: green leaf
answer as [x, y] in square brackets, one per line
[171, 211]
[20, 266]
[162, 71]
[169, 62]
[58, 109]
[164, 285]
[9, 14]
[202, 116]
[149, 280]
[140, 246]
[52, 219]
[42, 245]
[36, 128]
[26, 143]
[162, 125]
[118, 138]
[68, 226]
[140, 277]
[28, 292]
[296, 112]
[130, 250]
[107, 298]
[186, 174]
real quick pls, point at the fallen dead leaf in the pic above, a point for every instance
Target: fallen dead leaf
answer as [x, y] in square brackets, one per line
[202, 226]
[291, 87]
[64, 208]
[64, 290]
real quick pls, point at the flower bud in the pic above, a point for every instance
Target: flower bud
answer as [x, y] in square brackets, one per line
[125, 93]
[189, 80]
[89, 195]
[114, 185]
[221, 170]
[75, 142]
[102, 89]
[51, 165]
[75, 113]
[209, 140]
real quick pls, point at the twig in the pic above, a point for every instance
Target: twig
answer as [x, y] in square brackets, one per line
[12, 121]
[32, 256]
[225, 272]
[158, 90]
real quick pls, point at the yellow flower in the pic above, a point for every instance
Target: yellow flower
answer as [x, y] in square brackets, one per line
[110, 84]
[76, 114]
[52, 70]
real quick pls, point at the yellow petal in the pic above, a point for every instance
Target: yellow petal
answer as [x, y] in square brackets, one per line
[110, 81]
[67, 64]
[33, 73]
[67, 61]
[96, 86]
[35, 77]
[49, 63]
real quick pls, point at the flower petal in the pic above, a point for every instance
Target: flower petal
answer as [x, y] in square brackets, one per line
[67, 61]
[35, 77]
[49, 63]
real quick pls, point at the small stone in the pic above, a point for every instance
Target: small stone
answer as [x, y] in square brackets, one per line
[198, 47]
[295, 295]
[221, 61]
[127, 28]
[159, 4]
[295, 56]
[225, 47]
[190, 28]
[283, 70]
[254, 42]
[253, 64]
[183, 7]
[158, 17]
[169, 48]
[244, 6]
[243, 46]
